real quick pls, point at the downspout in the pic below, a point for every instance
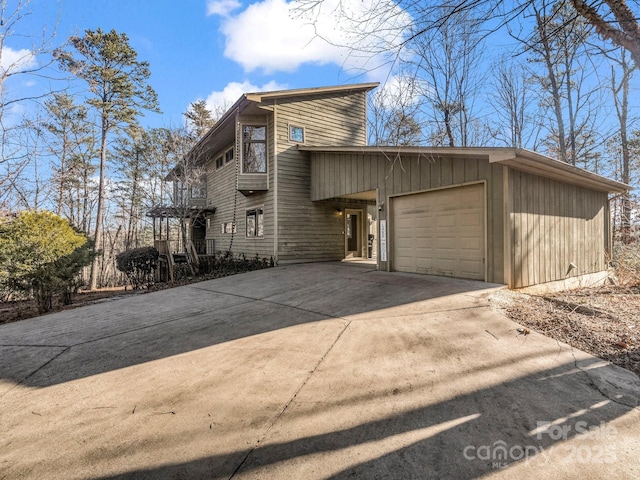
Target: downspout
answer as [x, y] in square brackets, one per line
[609, 227]
[275, 180]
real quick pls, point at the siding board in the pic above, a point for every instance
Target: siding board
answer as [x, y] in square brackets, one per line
[555, 224]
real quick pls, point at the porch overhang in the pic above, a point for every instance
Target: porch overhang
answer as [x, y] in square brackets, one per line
[161, 211]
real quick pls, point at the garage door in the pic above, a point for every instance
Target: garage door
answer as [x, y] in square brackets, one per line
[440, 232]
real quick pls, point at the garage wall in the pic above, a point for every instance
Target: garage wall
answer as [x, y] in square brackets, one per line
[554, 224]
[336, 174]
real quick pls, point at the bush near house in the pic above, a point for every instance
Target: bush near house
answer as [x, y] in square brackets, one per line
[225, 263]
[41, 256]
[139, 265]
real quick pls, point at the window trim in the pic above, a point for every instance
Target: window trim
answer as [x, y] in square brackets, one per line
[219, 161]
[266, 147]
[258, 212]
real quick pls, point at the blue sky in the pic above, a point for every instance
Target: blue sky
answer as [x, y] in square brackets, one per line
[209, 49]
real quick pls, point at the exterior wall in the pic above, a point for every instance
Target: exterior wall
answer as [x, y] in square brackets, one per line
[337, 174]
[231, 205]
[309, 230]
[551, 225]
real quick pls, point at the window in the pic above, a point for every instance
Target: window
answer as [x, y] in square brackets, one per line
[199, 189]
[296, 134]
[227, 227]
[228, 155]
[254, 149]
[219, 162]
[255, 224]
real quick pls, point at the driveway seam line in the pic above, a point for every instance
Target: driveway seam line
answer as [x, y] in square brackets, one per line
[595, 385]
[271, 302]
[293, 397]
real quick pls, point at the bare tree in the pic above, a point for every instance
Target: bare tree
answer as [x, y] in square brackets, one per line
[393, 113]
[447, 61]
[559, 45]
[512, 99]
[621, 73]
[17, 61]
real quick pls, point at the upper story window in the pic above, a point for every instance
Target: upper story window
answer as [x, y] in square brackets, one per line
[296, 134]
[228, 155]
[199, 189]
[219, 162]
[254, 149]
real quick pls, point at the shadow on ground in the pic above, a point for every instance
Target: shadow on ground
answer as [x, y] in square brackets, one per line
[458, 438]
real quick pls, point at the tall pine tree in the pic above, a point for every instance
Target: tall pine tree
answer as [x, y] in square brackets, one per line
[118, 91]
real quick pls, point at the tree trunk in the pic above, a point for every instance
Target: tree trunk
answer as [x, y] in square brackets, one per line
[554, 87]
[93, 279]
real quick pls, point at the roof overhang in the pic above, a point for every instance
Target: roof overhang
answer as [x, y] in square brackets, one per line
[538, 164]
[260, 97]
[518, 159]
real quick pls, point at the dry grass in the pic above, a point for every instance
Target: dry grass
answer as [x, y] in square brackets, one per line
[604, 322]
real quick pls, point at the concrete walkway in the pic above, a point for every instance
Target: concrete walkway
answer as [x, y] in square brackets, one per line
[308, 371]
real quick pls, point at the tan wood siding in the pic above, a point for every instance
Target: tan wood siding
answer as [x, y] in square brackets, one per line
[554, 224]
[231, 205]
[253, 181]
[309, 230]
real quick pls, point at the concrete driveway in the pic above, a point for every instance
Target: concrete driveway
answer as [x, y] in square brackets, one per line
[308, 371]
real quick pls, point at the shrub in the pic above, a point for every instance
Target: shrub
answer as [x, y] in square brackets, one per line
[626, 261]
[41, 254]
[139, 265]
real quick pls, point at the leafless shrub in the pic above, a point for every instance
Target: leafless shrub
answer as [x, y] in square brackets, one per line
[626, 261]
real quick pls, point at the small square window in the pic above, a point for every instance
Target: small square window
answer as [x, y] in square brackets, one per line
[227, 227]
[219, 162]
[296, 134]
[228, 156]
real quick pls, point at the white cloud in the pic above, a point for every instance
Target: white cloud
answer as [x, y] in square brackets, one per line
[271, 36]
[222, 7]
[220, 101]
[15, 60]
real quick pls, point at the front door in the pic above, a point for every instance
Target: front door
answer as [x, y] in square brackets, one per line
[353, 233]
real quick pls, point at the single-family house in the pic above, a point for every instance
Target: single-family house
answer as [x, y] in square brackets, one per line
[289, 175]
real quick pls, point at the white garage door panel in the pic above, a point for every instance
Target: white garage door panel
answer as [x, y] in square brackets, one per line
[440, 232]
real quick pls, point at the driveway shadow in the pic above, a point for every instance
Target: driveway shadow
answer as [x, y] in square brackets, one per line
[526, 421]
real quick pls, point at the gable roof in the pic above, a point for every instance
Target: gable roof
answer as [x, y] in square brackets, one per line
[517, 158]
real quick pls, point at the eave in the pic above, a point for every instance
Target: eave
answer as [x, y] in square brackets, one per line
[518, 159]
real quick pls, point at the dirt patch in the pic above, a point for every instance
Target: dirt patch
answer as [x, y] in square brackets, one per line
[604, 322]
[22, 309]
